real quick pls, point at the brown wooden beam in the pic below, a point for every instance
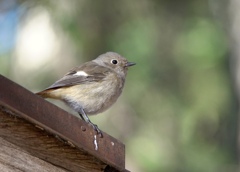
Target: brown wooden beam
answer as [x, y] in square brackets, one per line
[26, 107]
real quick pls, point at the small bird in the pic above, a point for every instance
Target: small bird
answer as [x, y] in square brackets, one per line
[92, 87]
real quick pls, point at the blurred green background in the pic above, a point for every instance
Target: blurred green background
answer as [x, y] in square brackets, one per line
[179, 109]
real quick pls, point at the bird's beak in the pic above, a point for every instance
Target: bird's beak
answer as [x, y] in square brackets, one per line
[128, 64]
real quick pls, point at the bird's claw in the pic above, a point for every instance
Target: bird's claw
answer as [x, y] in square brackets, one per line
[95, 127]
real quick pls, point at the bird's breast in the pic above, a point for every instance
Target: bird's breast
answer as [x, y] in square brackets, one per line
[95, 97]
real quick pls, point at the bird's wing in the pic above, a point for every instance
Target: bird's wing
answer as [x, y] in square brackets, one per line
[87, 73]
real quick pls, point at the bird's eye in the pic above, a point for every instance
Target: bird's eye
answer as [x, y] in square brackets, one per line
[114, 61]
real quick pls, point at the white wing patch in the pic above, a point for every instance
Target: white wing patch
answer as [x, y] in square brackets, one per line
[81, 73]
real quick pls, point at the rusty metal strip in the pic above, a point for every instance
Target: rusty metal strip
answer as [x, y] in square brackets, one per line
[59, 122]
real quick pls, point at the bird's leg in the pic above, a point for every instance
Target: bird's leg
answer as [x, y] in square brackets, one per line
[84, 117]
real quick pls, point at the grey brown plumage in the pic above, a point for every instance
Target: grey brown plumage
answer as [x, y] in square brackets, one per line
[92, 87]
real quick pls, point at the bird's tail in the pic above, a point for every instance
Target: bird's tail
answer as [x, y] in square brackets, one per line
[43, 94]
[51, 93]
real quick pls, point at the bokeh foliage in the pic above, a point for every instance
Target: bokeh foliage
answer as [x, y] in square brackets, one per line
[177, 112]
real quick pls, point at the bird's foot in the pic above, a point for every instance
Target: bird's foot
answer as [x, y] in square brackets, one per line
[95, 127]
